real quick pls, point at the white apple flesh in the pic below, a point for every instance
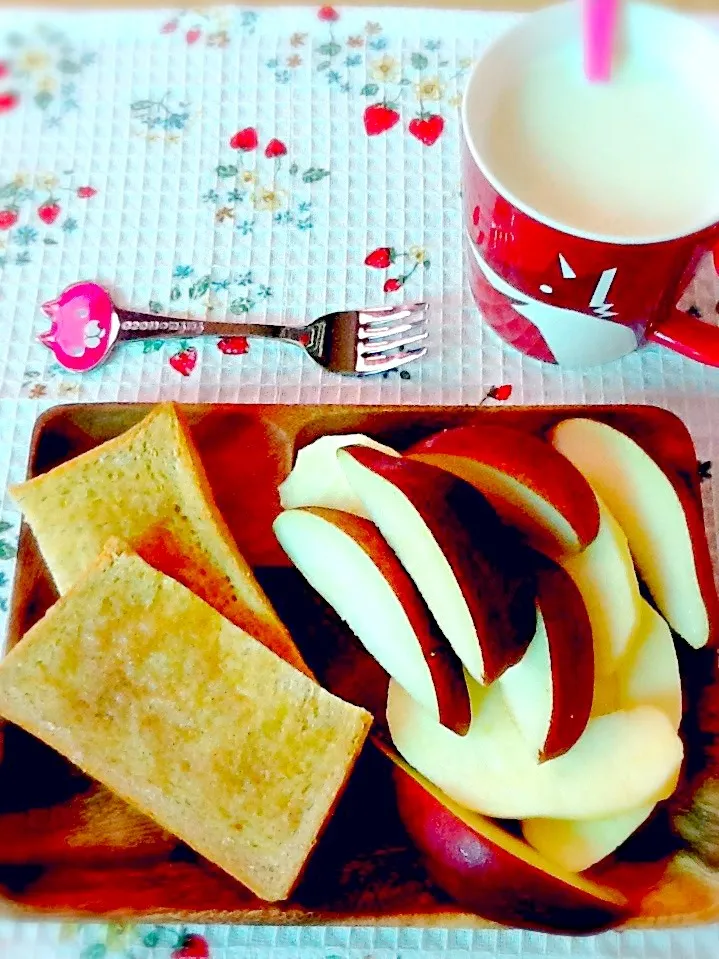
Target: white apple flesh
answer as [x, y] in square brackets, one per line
[647, 676]
[662, 522]
[576, 845]
[346, 560]
[551, 689]
[604, 574]
[317, 478]
[473, 573]
[621, 761]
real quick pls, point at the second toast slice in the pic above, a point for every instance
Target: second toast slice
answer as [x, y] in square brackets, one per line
[148, 487]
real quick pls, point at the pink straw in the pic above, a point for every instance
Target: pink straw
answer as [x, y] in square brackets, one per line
[600, 24]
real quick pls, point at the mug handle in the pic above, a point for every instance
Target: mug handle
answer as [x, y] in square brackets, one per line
[683, 333]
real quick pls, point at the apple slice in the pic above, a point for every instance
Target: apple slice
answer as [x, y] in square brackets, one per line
[525, 480]
[604, 574]
[496, 874]
[647, 676]
[472, 572]
[351, 566]
[621, 761]
[662, 522]
[317, 479]
[576, 845]
[550, 691]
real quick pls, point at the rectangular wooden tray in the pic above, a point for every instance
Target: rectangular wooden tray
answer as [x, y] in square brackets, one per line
[70, 849]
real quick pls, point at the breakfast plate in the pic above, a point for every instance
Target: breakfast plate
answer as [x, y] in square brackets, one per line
[69, 848]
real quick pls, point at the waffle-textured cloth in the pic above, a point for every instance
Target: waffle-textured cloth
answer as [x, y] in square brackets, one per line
[279, 163]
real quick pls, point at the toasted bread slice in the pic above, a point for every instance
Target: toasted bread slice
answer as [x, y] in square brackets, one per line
[148, 486]
[152, 692]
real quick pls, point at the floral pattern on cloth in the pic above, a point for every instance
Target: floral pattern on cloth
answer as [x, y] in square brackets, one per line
[38, 208]
[263, 178]
[254, 181]
[43, 67]
[145, 108]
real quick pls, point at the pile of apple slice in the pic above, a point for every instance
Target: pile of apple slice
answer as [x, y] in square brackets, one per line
[495, 577]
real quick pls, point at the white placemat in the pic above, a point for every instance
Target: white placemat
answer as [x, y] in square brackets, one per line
[127, 155]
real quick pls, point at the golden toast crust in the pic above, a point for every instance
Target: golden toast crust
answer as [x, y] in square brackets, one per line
[152, 692]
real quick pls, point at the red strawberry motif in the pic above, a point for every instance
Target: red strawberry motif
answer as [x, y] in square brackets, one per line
[380, 258]
[8, 102]
[86, 192]
[193, 35]
[184, 363]
[244, 140]
[49, 212]
[4, 69]
[233, 345]
[328, 14]
[275, 148]
[192, 947]
[392, 285]
[169, 27]
[501, 393]
[427, 129]
[378, 118]
[8, 218]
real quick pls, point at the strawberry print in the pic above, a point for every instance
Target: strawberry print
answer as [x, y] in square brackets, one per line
[193, 35]
[427, 128]
[380, 258]
[184, 363]
[499, 393]
[8, 218]
[380, 117]
[86, 192]
[233, 345]
[328, 15]
[4, 69]
[275, 149]
[244, 140]
[49, 211]
[169, 27]
[192, 946]
[385, 256]
[8, 102]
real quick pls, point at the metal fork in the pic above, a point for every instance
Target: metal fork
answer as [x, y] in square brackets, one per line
[86, 326]
[353, 342]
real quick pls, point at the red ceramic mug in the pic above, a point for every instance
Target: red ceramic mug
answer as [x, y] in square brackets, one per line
[577, 255]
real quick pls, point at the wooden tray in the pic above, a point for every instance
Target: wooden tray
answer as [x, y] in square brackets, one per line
[70, 849]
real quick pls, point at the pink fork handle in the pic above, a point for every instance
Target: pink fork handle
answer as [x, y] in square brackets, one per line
[600, 23]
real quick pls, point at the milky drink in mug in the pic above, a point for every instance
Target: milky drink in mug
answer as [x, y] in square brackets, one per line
[587, 205]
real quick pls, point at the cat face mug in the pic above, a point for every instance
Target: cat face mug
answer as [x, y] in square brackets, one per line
[587, 206]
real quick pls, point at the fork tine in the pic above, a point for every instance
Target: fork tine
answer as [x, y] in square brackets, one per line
[404, 311]
[373, 347]
[377, 332]
[380, 364]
